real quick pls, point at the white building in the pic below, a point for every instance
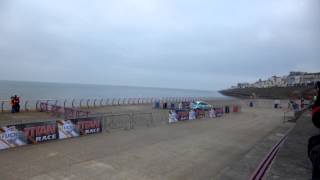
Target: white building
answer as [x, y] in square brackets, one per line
[310, 79]
[243, 85]
[276, 81]
[263, 83]
[284, 81]
[295, 78]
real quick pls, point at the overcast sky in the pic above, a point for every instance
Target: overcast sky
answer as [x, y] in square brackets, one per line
[193, 44]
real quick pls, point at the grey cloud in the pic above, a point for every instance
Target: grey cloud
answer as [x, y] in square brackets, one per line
[158, 43]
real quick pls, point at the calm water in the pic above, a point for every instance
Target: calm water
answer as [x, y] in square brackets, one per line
[37, 90]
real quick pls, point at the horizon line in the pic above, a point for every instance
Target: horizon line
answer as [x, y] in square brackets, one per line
[120, 85]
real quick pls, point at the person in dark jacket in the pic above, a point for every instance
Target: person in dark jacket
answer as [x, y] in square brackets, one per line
[316, 109]
[13, 104]
[314, 141]
[17, 103]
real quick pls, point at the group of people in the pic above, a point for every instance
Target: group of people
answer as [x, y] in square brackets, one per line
[15, 104]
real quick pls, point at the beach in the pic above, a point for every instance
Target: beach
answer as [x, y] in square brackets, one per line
[200, 149]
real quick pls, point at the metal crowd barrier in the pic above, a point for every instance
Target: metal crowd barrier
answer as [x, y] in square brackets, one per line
[125, 121]
[55, 129]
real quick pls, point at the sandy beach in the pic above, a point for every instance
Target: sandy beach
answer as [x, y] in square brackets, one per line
[199, 149]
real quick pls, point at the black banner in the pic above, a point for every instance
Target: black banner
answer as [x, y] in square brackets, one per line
[182, 115]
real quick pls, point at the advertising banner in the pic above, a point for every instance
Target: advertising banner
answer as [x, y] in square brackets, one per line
[200, 113]
[89, 126]
[40, 132]
[76, 127]
[192, 115]
[182, 115]
[31, 133]
[172, 116]
[212, 113]
[12, 136]
[219, 112]
[67, 129]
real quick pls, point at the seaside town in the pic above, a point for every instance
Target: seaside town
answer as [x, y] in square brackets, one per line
[294, 79]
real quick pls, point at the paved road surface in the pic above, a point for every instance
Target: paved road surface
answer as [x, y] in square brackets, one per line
[188, 150]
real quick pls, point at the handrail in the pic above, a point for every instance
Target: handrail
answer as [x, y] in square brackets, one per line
[28, 105]
[2, 104]
[264, 165]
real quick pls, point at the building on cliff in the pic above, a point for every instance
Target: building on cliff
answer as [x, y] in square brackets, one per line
[295, 78]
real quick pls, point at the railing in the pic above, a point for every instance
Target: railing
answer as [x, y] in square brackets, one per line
[264, 165]
[60, 111]
[95, 123]
[2, 103]
[31, 105]
[127, 121]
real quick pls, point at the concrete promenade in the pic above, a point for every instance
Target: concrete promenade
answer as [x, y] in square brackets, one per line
[292, 160]
[199, 149]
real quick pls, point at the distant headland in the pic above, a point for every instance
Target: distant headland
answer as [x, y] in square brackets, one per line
[294, 85]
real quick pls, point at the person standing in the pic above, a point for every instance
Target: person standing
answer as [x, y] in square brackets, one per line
[13, 105]
[314, 145]
[17, 103]
[302, 103]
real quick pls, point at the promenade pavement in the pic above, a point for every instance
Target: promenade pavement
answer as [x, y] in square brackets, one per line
[198, 149]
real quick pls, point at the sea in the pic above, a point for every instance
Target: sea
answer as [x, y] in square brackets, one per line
[43, 90]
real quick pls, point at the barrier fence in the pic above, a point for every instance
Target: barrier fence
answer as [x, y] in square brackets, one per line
[22, 133]
[38, 132]
[176, 115]
[31, 105]
[74, 122]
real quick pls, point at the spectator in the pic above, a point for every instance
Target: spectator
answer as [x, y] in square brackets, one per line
[302, 103]
[165, 105]
[13, 104]
[17, 103]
